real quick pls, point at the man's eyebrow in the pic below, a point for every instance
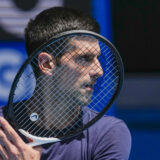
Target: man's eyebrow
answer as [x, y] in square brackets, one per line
[89, 54]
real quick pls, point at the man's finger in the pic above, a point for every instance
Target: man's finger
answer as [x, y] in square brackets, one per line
[38, 148]
[5, 142]
[11, 133]
[3, 153]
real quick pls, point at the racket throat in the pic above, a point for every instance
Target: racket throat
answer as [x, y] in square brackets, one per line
[37, 141]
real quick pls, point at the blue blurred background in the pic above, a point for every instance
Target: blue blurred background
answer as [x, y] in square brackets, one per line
[134, 27]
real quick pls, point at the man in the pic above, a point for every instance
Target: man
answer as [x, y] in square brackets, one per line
[108, 138]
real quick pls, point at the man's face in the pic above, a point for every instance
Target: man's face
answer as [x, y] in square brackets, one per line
[79, 70]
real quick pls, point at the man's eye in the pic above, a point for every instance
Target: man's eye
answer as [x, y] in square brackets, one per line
[85, 58]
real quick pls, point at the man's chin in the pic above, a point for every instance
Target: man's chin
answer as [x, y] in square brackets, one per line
[85, 101]
[80, 98]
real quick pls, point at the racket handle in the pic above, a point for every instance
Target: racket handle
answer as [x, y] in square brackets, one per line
[37, 141]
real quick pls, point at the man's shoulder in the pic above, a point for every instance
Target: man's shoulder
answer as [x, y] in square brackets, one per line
[110, 135]
[106, 122]
[109, 127]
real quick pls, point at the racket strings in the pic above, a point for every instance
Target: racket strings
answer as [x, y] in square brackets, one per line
[110, 80]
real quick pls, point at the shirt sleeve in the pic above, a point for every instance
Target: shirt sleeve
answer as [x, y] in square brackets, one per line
[114, 143]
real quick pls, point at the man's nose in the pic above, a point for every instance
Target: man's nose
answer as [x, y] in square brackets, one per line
[96, 69]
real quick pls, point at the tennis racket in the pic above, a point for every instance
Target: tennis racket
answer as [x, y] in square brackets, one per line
[71, 75]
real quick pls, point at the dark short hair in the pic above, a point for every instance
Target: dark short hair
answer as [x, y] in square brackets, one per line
[53, 21]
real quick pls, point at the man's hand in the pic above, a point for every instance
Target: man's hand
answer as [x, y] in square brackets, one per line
[12, 147]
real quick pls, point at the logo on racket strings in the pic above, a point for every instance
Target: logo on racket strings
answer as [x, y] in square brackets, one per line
[34, 117]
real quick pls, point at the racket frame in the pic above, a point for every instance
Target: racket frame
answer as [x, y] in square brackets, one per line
[10, 114]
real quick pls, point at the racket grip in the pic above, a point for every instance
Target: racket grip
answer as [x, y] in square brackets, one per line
[37, 141]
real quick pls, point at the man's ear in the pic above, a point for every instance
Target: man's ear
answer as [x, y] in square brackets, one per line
[46, 63]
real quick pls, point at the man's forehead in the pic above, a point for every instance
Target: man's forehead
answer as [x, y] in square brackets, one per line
[85, 44]
[83, 39]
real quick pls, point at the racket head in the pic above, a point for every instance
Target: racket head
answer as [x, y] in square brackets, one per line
[105, 89]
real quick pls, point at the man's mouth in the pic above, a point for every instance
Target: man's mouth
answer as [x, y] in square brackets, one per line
[88, 86]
